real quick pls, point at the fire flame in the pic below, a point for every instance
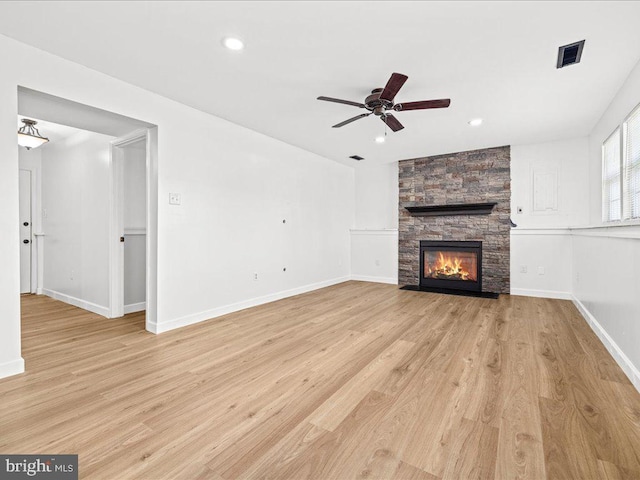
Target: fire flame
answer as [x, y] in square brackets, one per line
[448, 266]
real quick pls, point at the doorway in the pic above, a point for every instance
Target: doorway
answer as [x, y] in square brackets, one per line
[136, 142]
[129, 160]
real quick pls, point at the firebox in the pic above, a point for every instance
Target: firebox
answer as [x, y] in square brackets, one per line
[454, 265]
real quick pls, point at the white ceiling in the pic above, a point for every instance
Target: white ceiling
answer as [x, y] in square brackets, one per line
[495, 60]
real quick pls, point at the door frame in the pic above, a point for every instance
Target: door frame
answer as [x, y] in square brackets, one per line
[116, 223]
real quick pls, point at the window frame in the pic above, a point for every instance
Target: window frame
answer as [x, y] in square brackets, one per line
[627, 196]
[623, 219]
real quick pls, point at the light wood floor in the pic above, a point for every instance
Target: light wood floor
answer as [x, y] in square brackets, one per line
[355, 381]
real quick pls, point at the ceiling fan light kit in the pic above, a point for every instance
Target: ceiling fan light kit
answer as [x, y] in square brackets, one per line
[381, 101]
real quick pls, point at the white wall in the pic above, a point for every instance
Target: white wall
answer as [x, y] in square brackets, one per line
[255, 206]
[11, 361]
[374, 256]
[134, 221]
[374, 240]
[237, 186]
[75, 211]
[376, 190]
[549, 183]
[541, 263]
[561, 166]
[608, 295]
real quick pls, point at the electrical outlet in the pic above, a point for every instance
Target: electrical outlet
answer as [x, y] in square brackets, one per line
[174, 199]
[523, 269]
[377, 263]
[255, 276]
[540, 270]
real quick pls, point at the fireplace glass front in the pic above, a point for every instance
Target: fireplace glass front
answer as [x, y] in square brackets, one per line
[451, 265]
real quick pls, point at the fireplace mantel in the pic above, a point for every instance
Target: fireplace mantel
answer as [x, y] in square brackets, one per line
[452, 209]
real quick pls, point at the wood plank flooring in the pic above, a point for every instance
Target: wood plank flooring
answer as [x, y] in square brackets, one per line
[354, 381]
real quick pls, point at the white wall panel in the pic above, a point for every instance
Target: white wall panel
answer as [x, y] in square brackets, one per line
[374, 255]
[11, 361]
[605, 282]
[376, 196]
[75, 206]
[374, 241]
[541, 263]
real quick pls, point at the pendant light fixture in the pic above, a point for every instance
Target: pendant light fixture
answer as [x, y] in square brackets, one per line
[29, 136]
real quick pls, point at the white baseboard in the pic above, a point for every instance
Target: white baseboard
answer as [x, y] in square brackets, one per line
[13, 367]
[618, 355]
[366, 278]
[524, 292]
[235, 307]
[135, 307]
[77, 302]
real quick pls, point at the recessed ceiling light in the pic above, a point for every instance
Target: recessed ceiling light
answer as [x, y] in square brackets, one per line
[476, 122]
[380, 139]
[233, 43]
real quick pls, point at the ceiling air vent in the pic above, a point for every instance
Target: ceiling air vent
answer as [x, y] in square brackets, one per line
[570, 54]
[357, 157]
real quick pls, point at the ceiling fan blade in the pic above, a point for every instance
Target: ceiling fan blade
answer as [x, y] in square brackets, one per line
[337, 100]
[394, 84]
[443, 103]
[392, 122]
[353, 119]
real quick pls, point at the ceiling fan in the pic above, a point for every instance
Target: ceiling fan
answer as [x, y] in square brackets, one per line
[381, 100]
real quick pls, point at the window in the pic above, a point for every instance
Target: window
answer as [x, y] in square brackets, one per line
[611, 187]
[621, 171]
[631, 156]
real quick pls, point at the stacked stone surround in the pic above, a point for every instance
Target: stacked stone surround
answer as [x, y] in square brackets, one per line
[476, 176]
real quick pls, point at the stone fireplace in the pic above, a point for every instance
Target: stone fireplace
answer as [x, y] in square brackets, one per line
[453, 202]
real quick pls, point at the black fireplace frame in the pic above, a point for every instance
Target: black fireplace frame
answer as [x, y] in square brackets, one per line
[459, 246]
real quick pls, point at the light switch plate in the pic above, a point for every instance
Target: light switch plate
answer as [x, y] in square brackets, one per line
[174, 199]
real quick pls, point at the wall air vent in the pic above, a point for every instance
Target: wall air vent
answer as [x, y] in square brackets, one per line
[357, 157]
[570, 54]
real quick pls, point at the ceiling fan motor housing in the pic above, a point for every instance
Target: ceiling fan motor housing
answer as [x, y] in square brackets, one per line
[375, 104]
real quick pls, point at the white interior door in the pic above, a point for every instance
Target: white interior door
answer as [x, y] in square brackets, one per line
[135, 222]
[25, 231]
[128, 258]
